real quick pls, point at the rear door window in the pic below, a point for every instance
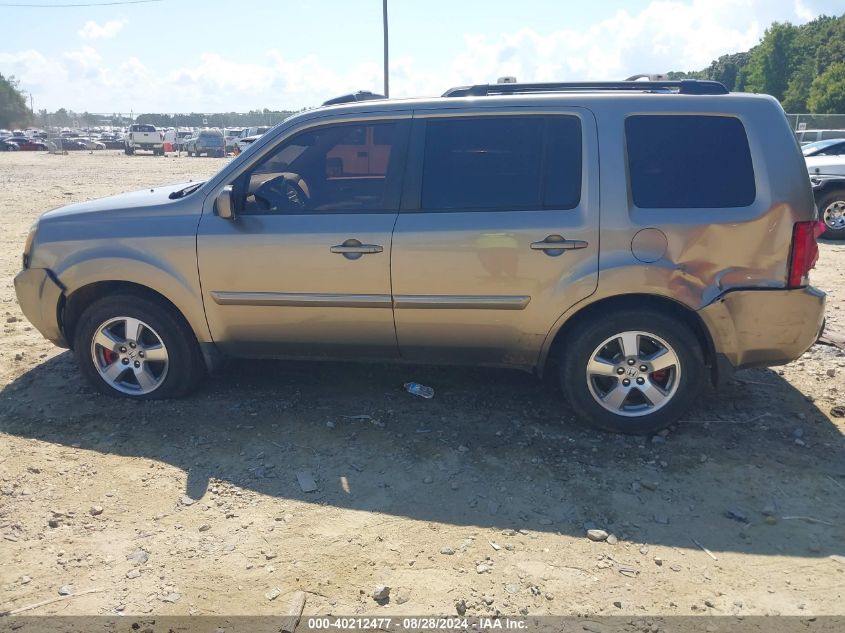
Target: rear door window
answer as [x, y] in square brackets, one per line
[689, 162]
[502, 163]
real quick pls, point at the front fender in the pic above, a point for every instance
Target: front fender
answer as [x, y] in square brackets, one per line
[175, 283]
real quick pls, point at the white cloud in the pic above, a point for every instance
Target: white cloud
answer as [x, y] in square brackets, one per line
[94, 31]
[803, 11]
[664, 35]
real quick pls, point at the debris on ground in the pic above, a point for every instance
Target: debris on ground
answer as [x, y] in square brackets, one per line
[306, 480]
[381, 593]
[419, 390]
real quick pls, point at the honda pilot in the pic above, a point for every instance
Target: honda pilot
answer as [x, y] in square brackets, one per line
[638, 240]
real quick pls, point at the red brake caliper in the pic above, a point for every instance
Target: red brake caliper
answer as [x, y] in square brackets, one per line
[109, 356]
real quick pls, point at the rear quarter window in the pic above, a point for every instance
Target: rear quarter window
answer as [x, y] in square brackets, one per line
[689, 162]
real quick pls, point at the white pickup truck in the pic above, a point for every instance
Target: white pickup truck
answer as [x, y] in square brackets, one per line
[143, 137]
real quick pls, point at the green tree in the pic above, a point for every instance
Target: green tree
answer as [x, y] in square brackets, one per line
[61, 118]
[798, 90]
[13, 110]
[727, 69]
[831, 47]
[827, 92]
[772, 62]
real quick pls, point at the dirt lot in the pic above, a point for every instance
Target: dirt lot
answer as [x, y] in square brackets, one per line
[482, 494]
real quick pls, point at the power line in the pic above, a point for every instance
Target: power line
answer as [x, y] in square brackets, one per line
[81, 4]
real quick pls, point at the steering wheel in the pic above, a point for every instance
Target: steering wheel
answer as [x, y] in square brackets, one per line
[281, 193]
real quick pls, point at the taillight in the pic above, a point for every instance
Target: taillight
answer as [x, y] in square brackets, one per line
[804, 252]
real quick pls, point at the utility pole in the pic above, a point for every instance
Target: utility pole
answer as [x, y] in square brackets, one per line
[386, 72]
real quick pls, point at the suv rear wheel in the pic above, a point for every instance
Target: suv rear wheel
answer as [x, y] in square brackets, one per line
[129, 345]
[632, 371]
[832, 212]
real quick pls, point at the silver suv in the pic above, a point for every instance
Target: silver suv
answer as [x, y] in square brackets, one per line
[638, 239]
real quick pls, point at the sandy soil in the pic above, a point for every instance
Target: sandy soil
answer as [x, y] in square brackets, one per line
[482, 494]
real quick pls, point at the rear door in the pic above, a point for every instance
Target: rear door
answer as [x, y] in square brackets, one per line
[498, 234]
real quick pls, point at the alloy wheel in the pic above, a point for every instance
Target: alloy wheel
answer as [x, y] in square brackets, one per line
[633, 373]
[129, 355]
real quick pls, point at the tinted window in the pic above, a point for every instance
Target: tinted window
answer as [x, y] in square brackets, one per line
[499, 163]
[337, 168]
[689, 162]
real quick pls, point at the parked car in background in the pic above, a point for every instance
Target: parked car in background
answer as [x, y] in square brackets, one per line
[810, 136]
[825, 165]
[27, 144]
[244, 143]
[497, 255]
[231, 135]
[181, 137]
[144, 137]
[209, 142]
[255, 130]
[92, 144]
[9, 146]
[73, 144]
[830, 147]
[112, 141]
[829, 192]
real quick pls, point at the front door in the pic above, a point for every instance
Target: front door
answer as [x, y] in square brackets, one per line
[304, 267]
[498, 235]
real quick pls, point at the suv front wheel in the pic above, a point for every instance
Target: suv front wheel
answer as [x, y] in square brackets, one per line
[631, 371]
[132, 346]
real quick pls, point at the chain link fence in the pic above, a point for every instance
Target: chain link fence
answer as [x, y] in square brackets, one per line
[55, 145]
[802, 122]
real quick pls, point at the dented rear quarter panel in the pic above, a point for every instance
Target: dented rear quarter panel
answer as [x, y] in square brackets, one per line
[708, 251]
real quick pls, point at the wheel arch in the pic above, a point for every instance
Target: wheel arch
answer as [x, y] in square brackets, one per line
[676, 309]
[75, 303]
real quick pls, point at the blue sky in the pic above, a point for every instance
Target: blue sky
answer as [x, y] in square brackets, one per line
[214, 55]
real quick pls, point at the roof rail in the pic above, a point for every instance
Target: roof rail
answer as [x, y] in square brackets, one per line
[684, 87]
[361, 95]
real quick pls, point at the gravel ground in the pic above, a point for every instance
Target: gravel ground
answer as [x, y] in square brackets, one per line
[481, 496]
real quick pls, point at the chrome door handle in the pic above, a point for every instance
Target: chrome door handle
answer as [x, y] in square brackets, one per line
[554, 245]
[353, 249]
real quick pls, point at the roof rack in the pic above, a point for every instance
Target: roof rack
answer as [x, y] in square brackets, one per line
[684, 87]
[361, 95]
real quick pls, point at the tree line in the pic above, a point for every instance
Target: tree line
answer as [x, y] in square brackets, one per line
[13, 108]
[803, 67]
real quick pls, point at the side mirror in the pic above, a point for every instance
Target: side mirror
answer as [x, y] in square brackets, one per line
[225, 203]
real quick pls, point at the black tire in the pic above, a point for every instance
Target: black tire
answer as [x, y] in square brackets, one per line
[185, 363]
[588, 334]
[827, 199]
